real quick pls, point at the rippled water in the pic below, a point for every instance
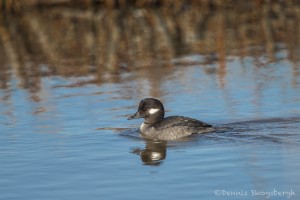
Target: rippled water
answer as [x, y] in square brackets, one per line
[72, 141]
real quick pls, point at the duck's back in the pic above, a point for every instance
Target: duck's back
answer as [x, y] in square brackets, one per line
[180, 121]
[176, 127]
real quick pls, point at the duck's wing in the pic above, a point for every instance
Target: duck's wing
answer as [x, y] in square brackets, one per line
[173, 121]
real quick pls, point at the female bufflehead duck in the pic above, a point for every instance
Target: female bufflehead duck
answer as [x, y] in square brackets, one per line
[155, 126]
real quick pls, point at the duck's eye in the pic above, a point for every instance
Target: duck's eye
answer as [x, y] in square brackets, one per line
[144, 108]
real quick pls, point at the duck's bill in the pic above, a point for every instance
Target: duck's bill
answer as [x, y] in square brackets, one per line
[137, 115]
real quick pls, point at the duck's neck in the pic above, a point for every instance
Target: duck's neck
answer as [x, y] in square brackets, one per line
[144, 126]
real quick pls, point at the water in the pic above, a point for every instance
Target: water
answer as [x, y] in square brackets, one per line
[70, 77]
[72, 141]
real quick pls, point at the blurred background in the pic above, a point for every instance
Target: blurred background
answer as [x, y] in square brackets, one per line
[98, 37]
[71, 71]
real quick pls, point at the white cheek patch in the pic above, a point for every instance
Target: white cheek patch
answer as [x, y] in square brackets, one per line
[153, 110]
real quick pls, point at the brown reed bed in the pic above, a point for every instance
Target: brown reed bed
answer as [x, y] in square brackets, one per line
[59, 39]
[21, 6]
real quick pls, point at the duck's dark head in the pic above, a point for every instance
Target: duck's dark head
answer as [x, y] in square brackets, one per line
[151, 110]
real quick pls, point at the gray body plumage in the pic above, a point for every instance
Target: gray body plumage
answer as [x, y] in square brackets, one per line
[175, 127]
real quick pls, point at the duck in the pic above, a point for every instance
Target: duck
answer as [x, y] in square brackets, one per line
[158, 127]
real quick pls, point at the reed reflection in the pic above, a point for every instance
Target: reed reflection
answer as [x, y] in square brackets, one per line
[69, 42]
[146, 46]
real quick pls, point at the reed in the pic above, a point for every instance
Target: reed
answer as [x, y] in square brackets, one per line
[21, 6]
[68, 41]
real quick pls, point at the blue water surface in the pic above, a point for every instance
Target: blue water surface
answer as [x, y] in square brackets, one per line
[75, 141]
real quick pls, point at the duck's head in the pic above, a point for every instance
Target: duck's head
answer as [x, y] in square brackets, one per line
[152, 110]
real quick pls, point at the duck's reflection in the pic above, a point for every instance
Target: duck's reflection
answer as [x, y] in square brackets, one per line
[154, 153]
